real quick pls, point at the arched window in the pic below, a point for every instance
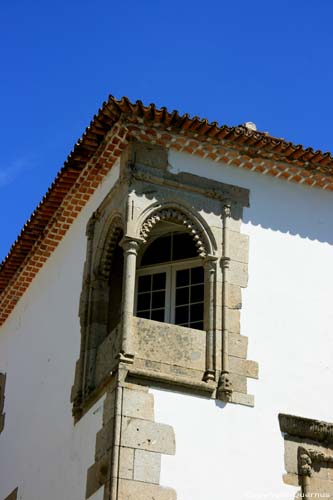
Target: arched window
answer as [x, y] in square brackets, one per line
[170, 281]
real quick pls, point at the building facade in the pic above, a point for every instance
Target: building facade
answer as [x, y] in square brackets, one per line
[166, 318]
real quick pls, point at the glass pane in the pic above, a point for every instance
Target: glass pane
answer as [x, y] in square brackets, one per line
[183, 246]
[157, 315]
[143, 301]
[182, 314]
[182, 277]
[182, 296]
[159, 281]
[197, 275]
[144, 283]
[198, 325]
[158, 300]
[143, 314]
[158, 251]
[196, 312]
[197, 293]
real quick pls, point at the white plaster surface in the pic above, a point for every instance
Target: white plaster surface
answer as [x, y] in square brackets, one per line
[234, 451]
[41, 451]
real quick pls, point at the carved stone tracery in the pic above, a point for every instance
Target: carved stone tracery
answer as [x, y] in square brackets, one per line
[177, 216]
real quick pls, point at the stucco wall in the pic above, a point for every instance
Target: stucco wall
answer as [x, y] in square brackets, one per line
[41, 451]
[237, 452]
[222, 451]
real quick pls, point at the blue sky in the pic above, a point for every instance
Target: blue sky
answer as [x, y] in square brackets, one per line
[260, 61]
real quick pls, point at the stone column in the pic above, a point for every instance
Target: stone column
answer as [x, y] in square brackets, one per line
[130, 247]
[225, 387]
[210, 323]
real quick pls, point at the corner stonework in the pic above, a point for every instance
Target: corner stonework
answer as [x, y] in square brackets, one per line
[308, 456]
[129, 446]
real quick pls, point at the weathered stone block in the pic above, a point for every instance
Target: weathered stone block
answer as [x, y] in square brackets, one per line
[146, 435]
[233, 320]
[109, 406]
[233, 296]
[2, 422]
[2, 390]
[135, 490]
[239, 382]
[150, 155]
[238, 273]
[126, 463]
[147, 466]
[104, 439]
[97, 475]
[170, 344]
[238, 345]
[107, 353]
[138, 404]
[243, 367]
[238, 246]
[320, 488]
[242, 399]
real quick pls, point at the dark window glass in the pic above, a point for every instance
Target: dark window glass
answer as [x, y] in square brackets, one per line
[198, 325]
[197, 293]
[158, 251]
[197, 275]
[182, 296]
[159, 281]
[144, 283]
[158, 300]
[196, 312]
[175, 246]
[183, 247]
[143, 314]
[143, 301]
[182, 315]
[157, 314]
[183, 278]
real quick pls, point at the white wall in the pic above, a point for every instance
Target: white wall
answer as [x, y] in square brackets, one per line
[41, 451]
[234, 451]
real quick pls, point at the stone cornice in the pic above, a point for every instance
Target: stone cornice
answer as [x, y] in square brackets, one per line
[306, 428]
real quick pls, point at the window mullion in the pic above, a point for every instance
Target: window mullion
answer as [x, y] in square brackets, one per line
[172, 294]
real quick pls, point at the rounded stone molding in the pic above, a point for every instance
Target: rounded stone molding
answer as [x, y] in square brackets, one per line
[112, 239]
[180, 217]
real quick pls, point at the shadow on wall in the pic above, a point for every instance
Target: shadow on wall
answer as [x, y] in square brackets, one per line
[275, 204]
[290, 208]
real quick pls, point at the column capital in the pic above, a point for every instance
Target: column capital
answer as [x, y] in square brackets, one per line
[210, 262]
[130, 244]
[226, 209]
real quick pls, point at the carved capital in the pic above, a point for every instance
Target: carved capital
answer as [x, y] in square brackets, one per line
[226, 210]
[130, 245]
[304, 462]
[210, 264]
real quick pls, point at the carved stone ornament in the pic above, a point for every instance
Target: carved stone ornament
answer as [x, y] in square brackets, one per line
[173, 215]
[306, 428]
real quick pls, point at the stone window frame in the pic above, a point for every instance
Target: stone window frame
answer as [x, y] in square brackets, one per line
[132, 210]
